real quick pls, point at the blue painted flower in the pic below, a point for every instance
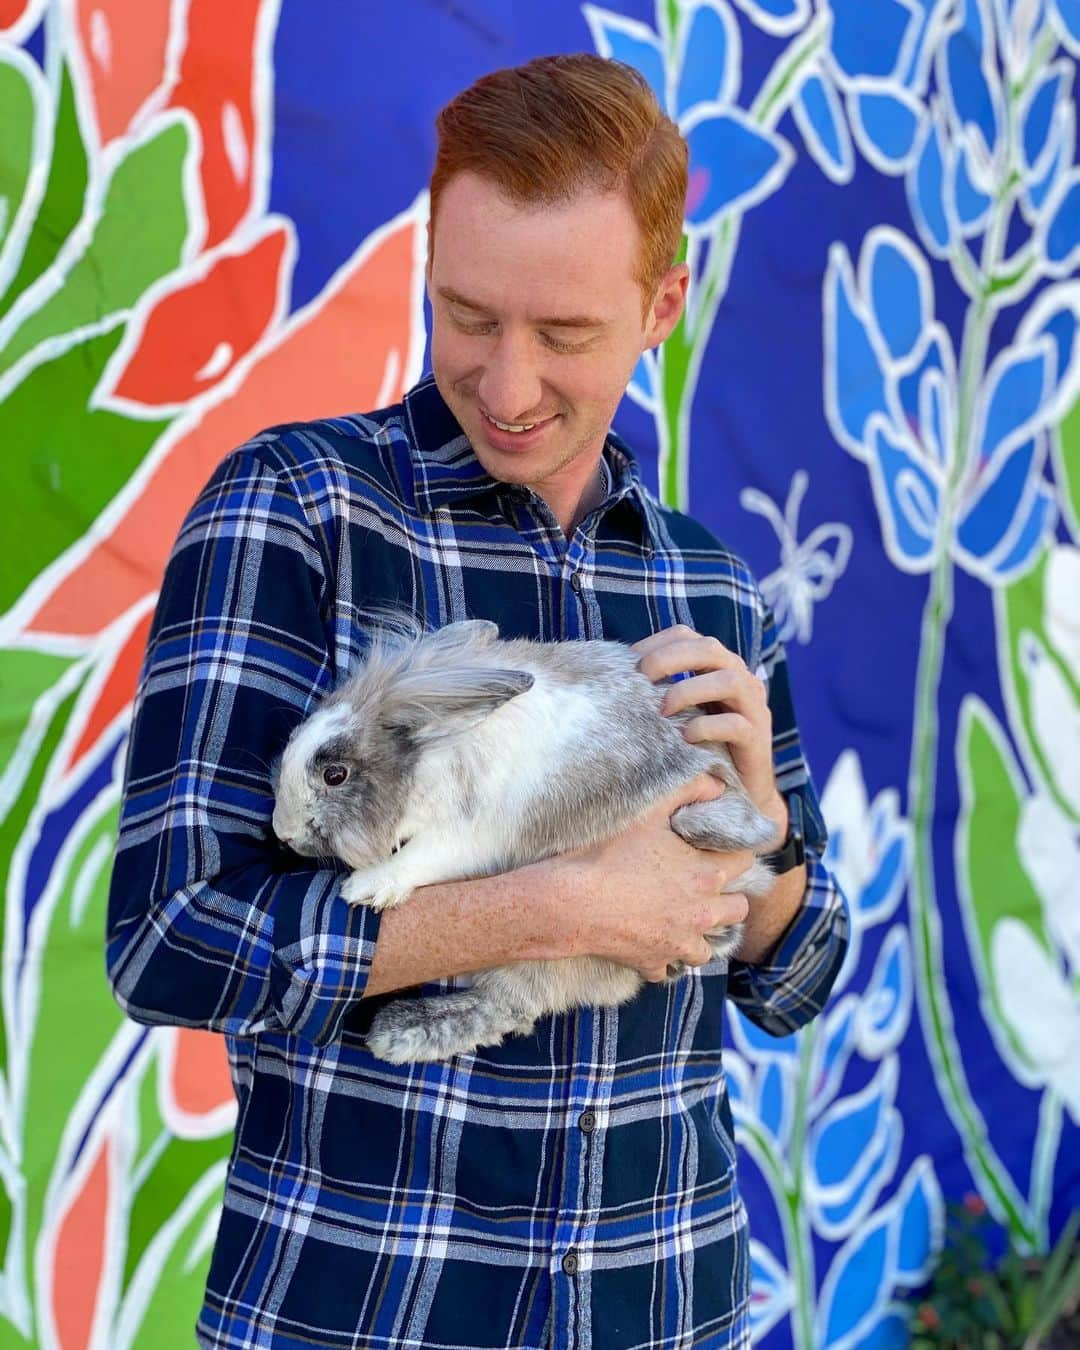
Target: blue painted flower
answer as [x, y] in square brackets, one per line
[733, 163]
[897, 1245]
[892, 398]
[874, 70]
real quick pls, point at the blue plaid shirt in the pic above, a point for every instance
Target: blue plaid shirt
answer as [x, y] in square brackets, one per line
[576, 1187]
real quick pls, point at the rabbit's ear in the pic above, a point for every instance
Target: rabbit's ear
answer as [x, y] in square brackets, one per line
[448, 703]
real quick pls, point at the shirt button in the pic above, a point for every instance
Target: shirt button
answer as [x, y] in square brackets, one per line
[575, 582]
[587, 1122]
[569, 1263]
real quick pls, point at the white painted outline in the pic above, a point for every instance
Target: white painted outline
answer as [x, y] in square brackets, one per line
[777, 25]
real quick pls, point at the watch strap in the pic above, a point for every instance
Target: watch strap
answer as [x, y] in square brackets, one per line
[792, 853]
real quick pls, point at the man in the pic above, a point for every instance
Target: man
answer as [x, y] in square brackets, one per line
[572, 1188]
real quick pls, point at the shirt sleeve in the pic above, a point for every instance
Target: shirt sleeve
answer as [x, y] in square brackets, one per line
[789, 988]
[208, 923]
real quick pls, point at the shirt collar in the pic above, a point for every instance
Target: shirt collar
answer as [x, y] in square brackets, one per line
[446, 471]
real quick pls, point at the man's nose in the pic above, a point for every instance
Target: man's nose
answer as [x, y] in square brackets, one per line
[510, 387]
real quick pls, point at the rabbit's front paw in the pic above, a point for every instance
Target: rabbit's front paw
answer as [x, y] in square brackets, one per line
[374, 887]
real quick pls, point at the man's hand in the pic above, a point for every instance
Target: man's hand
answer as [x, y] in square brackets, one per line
[734, 703]
[651, 896]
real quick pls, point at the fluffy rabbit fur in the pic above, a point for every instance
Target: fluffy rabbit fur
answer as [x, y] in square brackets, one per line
[458, 754]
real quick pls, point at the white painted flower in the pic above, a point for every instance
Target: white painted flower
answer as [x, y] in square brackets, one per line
[1061, 604]
[1041, 1009]
[1049, 846]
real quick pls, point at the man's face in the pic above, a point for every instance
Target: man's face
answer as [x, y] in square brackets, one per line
[538, 324]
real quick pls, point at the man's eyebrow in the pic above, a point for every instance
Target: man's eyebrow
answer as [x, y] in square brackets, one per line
[551, 321]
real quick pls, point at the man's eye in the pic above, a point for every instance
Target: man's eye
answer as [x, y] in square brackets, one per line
[335, 774]
[557, 346]
[473, 326]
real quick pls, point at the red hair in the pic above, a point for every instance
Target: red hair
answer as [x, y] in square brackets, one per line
[547, 130]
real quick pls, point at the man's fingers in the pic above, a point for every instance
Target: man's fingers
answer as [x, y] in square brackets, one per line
[690, 654]
[731, 728]
[677, 633]
[735, 689]
[735, 909]
[703, 787]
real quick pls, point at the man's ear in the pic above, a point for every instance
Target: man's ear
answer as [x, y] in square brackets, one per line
[668, 305]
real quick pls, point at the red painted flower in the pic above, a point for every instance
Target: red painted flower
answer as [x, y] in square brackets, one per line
[16, 11]
[208, 318]
[83, 1239]
[123, 45]
[197, 1095]
[222, 83]
[350, 349]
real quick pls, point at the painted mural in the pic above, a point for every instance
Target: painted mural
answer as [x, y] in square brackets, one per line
[212, 219]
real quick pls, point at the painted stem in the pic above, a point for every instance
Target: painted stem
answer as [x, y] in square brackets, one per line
[990, 1175]
[682, 353]
[800, 1247]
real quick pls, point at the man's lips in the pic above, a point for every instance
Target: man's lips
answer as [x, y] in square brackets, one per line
[514, 440]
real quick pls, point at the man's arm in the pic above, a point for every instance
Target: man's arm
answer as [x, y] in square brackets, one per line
[209, 925]
[797, 934]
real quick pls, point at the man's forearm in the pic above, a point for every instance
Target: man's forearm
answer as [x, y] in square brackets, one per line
[462, 926]
[771, 915]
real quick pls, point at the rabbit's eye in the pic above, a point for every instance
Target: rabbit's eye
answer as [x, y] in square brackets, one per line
[335, 774]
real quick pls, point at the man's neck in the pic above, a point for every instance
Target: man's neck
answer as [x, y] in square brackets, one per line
[569, 512]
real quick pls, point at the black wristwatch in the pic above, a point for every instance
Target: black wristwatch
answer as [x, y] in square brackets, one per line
[792, 853]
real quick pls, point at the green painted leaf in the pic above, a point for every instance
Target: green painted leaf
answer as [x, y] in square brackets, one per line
[172, 1167]
[179, 1166]
[77, 1016]
[178, 1293]
[26, 677]
[1022, 613]
[1069, 460]
[62, 204]
[993, 882]
[139, 239]
[18, 118]
[72, 459]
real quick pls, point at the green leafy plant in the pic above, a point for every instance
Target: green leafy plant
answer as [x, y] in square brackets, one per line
[977, 1301]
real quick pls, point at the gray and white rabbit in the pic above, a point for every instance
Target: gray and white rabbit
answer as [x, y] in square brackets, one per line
[455, 754]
